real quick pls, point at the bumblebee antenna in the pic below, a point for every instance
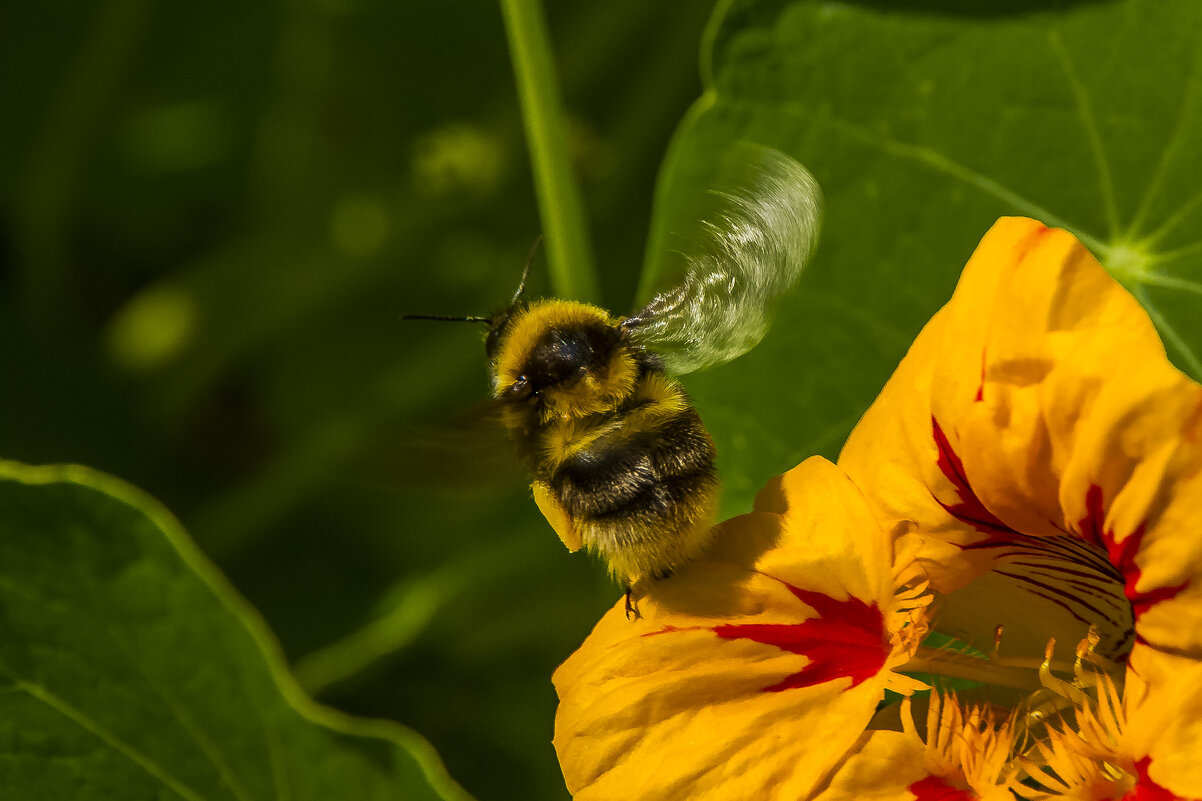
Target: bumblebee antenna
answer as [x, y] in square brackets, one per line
[445, 318]
[490, 320]
[526, 272]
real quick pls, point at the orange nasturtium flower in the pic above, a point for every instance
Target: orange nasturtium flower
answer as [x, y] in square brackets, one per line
[996, 593]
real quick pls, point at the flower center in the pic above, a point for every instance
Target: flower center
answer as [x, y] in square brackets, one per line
[1063, 738]
[1036, 725]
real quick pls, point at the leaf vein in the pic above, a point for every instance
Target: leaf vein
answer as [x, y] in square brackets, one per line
[937, 161]
[77, 717]
[1092, 133]
[204, 744]
[1177, 139]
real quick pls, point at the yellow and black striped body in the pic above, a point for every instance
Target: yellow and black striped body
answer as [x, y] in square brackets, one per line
[621, 462]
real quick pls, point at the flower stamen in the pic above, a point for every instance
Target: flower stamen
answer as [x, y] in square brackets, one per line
[966, 747]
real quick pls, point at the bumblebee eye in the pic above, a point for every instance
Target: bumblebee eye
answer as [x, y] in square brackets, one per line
[518, 390]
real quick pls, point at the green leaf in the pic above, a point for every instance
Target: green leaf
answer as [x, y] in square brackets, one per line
[129, 669]
[924, 122]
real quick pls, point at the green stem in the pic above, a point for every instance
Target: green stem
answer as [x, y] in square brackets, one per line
[569, 254]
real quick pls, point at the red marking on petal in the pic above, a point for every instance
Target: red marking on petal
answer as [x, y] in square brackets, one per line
[980, 387]
[1034, 242]
[1026, 246]
[1091, 525]
[846, 639]
[1145, 789]
[1122, 553]
[969, 510]
[933, 788]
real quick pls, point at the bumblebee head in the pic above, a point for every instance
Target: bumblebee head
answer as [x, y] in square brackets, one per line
[561, 359]
[554, 359]
[498, 326]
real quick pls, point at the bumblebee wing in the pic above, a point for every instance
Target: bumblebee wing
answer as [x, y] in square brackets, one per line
[463, 448]
[748, 250]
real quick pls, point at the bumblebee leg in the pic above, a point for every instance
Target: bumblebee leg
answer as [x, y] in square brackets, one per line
[557, 516]
[632, 608]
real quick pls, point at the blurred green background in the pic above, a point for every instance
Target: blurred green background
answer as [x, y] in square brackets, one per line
[215, 215]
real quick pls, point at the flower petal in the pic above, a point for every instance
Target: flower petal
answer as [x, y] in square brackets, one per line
[1163, 726]
[751, 672]
[888, 765]
[905, 453]
[1037, 430]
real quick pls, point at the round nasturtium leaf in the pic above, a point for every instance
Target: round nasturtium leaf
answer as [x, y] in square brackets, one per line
[129, 669]
[924, 121]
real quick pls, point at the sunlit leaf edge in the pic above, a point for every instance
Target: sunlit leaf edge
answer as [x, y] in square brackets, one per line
[407, 740]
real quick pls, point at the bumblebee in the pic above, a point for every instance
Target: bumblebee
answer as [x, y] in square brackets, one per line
[620, 460]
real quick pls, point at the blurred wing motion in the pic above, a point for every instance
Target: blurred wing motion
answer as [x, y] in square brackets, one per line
[467, 449]
[750, 251]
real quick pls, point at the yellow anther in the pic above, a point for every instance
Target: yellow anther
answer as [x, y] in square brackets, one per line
[1058, 686]
[1086, 677]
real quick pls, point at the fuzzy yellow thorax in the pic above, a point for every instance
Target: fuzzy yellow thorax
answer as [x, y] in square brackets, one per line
[599, 388]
